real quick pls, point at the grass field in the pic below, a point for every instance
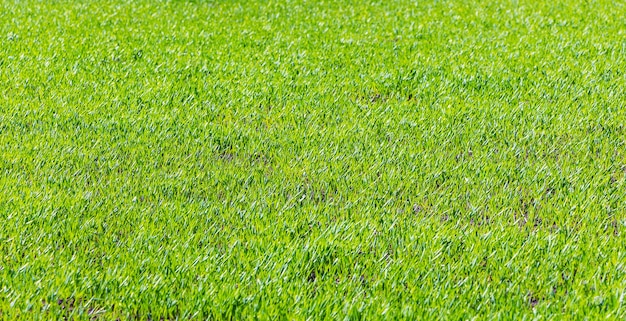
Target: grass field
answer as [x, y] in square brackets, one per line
[298, 159]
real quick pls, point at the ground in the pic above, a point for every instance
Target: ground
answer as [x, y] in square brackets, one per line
[312, 159]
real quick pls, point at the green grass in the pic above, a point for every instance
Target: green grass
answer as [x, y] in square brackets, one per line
[312, 160]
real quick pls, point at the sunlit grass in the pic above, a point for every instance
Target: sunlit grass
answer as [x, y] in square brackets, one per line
[312, 160]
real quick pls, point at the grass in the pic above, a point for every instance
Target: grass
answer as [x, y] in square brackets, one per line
[312, 160]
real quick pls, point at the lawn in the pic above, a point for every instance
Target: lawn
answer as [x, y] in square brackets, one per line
[318, 160]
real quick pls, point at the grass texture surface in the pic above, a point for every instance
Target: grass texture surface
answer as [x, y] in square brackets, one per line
[296, 159]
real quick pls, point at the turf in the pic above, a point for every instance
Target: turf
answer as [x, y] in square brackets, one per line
[296, 159]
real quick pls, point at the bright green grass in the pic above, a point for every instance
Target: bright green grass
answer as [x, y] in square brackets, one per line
[307, 159]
